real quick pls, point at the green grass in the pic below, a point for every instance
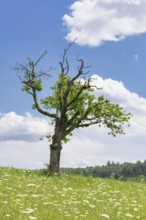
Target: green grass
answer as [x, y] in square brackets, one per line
[27, 195]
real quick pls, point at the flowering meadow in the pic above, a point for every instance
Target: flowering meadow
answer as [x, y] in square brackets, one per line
[30, 195]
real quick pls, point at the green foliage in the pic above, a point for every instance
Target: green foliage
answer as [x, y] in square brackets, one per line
[126, 171]
[85, 109]
[37, 85]
[71, 105]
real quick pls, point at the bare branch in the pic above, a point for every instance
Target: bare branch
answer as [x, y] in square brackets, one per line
[66, 49]
[80, 71]
[29, 79]
[90, 123]
[40, 58]
[64, 69]
[89, 80]
[84, 87]
[64, 63]
[38, 107]
[70, 121]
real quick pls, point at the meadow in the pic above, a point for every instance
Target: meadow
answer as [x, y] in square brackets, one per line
[30, 195]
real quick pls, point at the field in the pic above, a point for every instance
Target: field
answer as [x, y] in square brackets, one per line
[29, 195]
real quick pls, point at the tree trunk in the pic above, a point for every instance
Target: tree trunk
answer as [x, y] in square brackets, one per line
[55, 153]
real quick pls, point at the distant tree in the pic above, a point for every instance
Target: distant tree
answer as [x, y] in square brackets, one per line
[71, 104]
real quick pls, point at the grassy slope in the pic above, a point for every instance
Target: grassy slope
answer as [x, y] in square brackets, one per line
[28, 195]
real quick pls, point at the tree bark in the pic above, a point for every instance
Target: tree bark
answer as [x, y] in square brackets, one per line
[55, 153]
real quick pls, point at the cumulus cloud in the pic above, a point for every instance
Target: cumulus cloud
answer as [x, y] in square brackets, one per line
[88, 147]
[118, 93]
[18, 127]
[94, 21]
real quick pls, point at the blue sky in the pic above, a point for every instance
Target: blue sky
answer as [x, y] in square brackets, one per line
[111, 38]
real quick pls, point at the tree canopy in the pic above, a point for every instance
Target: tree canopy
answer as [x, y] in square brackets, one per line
[72, 103]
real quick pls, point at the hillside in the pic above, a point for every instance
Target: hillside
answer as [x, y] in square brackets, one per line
[30, 195]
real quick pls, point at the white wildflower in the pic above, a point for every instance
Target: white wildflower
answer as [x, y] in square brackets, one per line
[63, 195]
[129, 215]
[86, 201]
[32, 217]
[22, 195]
[92, 206]
[27, 211]
[71, 189]
[31, 184]
[64, 189]
[35, 195]
[136, 209]
[8, 215]
[5, 202]
[105, 216]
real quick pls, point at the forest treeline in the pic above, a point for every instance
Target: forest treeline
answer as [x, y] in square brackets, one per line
[113, 170]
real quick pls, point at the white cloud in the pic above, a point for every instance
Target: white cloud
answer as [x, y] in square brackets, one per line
[118, 93]
[96, 21]
[22, 154]
[91, 146]
[17, 127]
